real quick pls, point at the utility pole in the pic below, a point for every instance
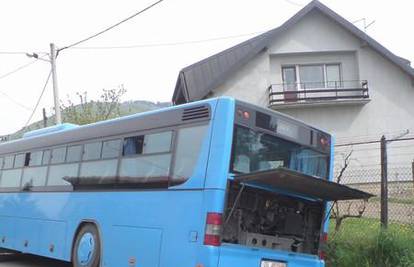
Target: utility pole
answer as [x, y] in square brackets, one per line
[412, 169]
[53, 54]
[384, 183]
[44, 118]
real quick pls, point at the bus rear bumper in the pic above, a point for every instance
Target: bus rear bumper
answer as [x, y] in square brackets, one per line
[235, 255]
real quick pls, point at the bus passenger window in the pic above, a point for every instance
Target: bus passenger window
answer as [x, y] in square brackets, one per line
[34, 176]
[19, 160]
[188, 148]
[1, 163]
[26, 159]
[138, 169]
[111, 149]
[157, 143]
[8, 162]
[74, 153]
[92, 151]
[10, 178]
[96, 171]
[58, 155]
[35, 158]
[133, 145]
[46, 157]
[58, 172]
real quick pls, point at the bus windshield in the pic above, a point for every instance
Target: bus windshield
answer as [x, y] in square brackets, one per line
[256, 151]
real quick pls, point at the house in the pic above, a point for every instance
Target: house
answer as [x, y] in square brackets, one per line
[319, 68]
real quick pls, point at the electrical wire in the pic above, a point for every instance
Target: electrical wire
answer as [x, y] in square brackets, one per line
[38, 100]
[17, 53]
[111, 27]
[389, 132]
[376, 141]
[168, 43]
[15, 101]
[18, 69]
[294, 3]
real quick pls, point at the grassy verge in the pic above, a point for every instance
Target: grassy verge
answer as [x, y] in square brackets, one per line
[361, 243]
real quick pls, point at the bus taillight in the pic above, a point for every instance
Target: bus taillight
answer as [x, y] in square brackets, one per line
[322, 246]
[213, 229]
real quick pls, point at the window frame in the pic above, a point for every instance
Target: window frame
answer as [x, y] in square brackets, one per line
[299, 83]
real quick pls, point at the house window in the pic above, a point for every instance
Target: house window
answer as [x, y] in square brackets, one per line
[289, 78]
[311, 76]
[333, 75]
[302, 77]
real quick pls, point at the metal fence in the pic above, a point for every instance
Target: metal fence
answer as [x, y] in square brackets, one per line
[384, 170]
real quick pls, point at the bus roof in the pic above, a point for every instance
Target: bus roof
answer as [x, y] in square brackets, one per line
[171, 116]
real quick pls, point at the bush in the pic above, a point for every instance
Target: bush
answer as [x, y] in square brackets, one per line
[361, 243]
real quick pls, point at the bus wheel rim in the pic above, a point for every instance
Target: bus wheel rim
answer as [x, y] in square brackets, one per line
[86, 249]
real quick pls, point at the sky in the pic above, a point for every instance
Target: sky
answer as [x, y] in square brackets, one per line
[149, 70]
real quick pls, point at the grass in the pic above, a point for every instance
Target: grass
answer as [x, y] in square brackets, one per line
[360, 242]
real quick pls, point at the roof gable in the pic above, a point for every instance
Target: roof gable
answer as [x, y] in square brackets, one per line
[196, 81]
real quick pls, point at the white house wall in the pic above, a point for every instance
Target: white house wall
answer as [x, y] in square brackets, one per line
[317, 39]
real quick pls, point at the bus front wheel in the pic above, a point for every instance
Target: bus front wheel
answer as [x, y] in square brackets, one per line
[87, 249]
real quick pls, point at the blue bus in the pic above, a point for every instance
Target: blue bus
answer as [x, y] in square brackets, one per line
[214, 183]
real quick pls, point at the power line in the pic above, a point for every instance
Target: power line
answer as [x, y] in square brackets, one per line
[353, 137]
[38, 100]
[376, 141]
[168, 43]
[17, 53]
[113, 26]
[11, 53]
[18, 69]
[14, 101]
[12, 72]
[294, 3]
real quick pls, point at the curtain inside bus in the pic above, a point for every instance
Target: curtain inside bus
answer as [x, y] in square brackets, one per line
[308, 162]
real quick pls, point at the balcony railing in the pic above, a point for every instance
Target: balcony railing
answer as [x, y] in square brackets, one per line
[292, 93]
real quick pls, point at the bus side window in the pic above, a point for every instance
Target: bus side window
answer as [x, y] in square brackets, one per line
[58, 155]
[1, 163]
[11, 178]
[157, 143]
[8, 162]
[155, 167]
[111, 149]
[19, 160]
[35, 158]
[74, 153]
[92, 151]
[98, 170]
[152, 160]
[46, 157]
[133, 145]
[188, 147]
[34, 176]
[58, 172]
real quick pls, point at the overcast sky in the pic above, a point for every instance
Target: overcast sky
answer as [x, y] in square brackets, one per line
[149, 73]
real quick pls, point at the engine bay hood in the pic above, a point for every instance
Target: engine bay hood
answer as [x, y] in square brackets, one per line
[296, 182]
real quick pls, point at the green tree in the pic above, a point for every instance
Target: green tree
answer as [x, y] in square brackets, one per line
[89, 111]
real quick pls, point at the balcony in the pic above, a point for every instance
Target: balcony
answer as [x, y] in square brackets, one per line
[291, 95]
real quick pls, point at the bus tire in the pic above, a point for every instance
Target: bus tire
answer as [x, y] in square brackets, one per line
[87, 247]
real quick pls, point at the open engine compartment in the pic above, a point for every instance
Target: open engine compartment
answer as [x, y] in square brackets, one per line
[260, 218]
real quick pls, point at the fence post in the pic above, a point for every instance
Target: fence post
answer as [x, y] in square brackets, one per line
[384, 184]
[412, 169]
